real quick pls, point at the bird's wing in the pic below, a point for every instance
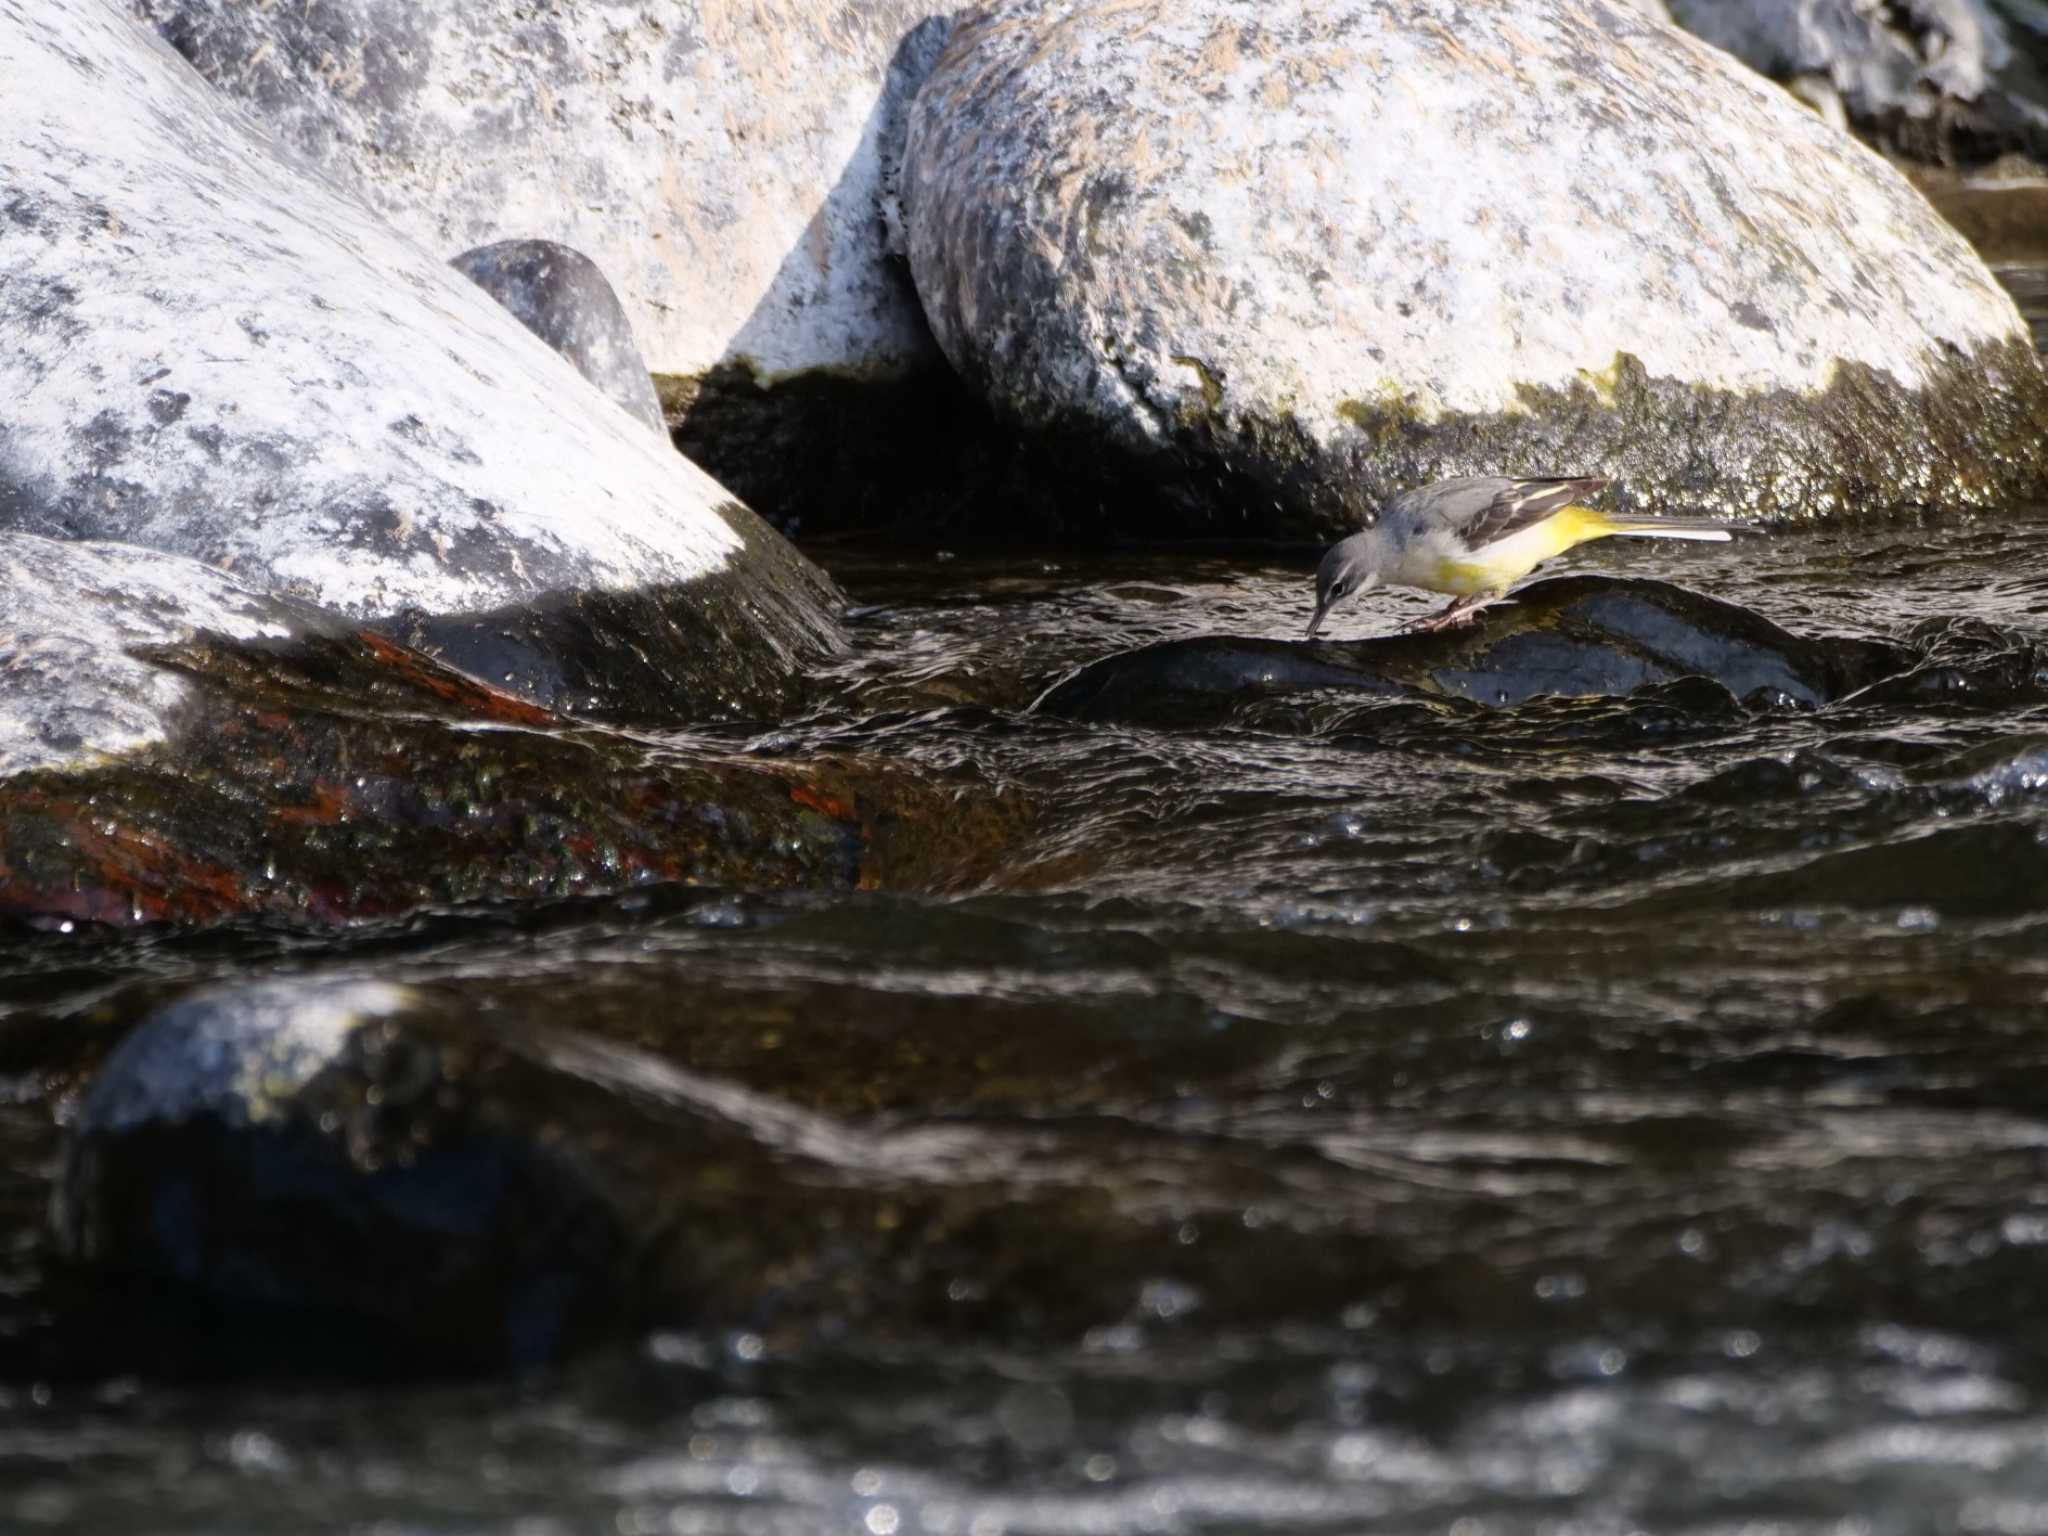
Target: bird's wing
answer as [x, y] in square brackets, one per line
[1484, 512]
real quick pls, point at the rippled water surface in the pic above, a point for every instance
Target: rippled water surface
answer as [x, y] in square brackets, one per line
[1593, 1116]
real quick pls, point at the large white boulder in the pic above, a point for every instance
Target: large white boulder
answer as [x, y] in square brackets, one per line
[1295, 254]
[722, 164]
[207, 351]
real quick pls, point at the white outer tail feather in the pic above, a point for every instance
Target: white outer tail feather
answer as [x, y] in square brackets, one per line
[1673, 531]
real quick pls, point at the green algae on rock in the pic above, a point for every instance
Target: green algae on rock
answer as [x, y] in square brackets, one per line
[1275, 280]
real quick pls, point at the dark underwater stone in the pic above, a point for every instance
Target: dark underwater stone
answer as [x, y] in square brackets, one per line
[1573, 636]
[374, 1179]
[338, 1150]
[563, 298]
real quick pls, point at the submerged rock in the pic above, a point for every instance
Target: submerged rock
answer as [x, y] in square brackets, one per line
[1573, 636]
[209, 353]
[1297, 256]
[726, 166]
[339, 1149]
[164, 758]
[375, 1178]
[562, 297]
[1936, 78]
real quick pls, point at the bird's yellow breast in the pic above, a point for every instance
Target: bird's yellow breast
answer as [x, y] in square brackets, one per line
[1507, 561]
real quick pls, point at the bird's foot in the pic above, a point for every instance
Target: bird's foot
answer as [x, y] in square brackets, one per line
[1456, 616]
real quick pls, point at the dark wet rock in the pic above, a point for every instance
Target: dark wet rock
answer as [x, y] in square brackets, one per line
[1185, 244]
[318, 771]
[727, 167]
[212, 354]
[561, 296]
[1938, 79]
[339, 1150]
[1966, 663]
[918, 454]
[1574, 636]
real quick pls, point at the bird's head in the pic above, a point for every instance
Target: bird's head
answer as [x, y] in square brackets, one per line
[1347, 570]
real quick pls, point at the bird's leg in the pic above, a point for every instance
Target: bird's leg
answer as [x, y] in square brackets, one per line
[1462, 610]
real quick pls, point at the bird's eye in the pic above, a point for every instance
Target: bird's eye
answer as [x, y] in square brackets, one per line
[1337, 588]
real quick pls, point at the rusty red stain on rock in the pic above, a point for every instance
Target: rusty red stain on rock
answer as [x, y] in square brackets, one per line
[814, 799]
[330, 804]
[134, 873]
[470, 695]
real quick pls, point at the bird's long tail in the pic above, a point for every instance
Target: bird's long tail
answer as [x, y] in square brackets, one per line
[1704, 529]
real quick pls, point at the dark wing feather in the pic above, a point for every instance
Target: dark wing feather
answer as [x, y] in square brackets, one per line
[1525, 503]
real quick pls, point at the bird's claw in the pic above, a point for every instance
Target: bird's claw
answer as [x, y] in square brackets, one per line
[1457, 616]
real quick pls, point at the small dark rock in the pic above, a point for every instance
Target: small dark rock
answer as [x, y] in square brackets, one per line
[562, 297]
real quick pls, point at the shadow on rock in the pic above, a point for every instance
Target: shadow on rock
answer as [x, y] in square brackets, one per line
[1573, 637]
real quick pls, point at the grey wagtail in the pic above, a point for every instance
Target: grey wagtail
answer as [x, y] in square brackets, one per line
[1476, 537]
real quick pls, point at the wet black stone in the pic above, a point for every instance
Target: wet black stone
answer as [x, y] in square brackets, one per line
[1572, 637]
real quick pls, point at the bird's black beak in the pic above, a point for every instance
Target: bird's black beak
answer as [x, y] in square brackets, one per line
[1316, 623]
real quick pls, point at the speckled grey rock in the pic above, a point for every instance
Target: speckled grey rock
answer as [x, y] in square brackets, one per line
[72, 616]
[562, 297]
[208, 352]
[1898, 65]
[1300, 253]
[723, 164]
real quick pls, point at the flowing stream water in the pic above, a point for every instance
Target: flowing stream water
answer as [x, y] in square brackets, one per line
[1610, 1115]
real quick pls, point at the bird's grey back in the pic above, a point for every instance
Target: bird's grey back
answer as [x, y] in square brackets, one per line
[1443, 503]
[1483, 509]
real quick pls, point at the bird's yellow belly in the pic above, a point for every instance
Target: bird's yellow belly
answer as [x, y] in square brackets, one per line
[1461, 578]
[1500, 565]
